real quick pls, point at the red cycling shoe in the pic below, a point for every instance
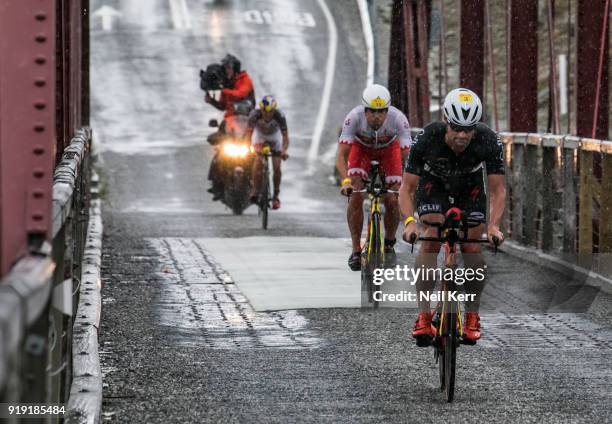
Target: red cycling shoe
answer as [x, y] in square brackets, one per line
[423, 331]
[471, 327]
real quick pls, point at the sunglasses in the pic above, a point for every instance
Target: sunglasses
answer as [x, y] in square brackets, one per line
[461, 128]
[367, 109]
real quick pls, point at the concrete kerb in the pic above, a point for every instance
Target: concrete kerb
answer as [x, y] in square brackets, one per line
[85, 402]
[557, 264]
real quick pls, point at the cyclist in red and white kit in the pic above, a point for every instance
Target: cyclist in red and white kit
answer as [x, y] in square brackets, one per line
[375, 130]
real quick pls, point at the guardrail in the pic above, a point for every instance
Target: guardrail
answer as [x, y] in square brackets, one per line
[38, 297]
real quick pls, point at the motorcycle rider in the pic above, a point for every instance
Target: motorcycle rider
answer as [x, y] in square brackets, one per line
[267, 124]
[238, 97]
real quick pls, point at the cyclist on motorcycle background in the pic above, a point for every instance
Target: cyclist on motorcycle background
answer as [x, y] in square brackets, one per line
[375, 130]
[267, 124]
[238, 97]
[447, 160]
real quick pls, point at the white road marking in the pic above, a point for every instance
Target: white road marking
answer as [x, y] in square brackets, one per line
[297, 272]
[369, 39]
[329, 80]
[107, 14]
[180, 14]
[186, 14]
[266, 17]
[277, 273]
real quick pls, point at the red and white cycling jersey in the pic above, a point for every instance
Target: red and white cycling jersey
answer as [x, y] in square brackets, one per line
[356, 129]
[384, 144]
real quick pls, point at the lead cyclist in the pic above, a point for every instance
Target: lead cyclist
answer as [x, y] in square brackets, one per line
[448, 159]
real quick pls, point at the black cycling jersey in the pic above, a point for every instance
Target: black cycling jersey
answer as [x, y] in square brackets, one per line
[431, 155]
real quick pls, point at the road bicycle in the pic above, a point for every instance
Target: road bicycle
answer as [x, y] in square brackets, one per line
[264, 198]
[447, 319]
[373, 251]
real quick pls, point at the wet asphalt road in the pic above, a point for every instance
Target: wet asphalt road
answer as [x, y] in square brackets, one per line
[180, 343]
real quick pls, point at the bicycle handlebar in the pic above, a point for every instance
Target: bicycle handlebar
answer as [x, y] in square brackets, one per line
[382, 191]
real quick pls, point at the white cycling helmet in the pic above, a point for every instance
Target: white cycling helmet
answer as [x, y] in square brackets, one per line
[462, 107]
[376, 96]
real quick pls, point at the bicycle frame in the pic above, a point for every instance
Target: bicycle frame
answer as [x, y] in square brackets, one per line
[449, 311]
[374, 250]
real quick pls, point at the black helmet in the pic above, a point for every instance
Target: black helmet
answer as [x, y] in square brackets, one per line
[230, 60]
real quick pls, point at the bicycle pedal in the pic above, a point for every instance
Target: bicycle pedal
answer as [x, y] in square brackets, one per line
[423, 341]
[468, 342]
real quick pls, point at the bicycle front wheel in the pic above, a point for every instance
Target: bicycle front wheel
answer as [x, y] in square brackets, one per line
[372, 259]
[264, 199]
[450, 355]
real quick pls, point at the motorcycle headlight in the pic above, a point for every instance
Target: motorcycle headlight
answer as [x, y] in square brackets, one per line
[235, 150]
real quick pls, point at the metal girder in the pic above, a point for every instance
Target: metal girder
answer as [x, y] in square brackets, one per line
[27, 124]
[408, 76]
[588, 44]
[471, 72]
[523, 66]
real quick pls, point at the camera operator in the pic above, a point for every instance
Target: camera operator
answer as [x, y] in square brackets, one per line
[237, 96]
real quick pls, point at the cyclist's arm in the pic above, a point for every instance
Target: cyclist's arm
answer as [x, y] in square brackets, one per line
[406, 193]
[285, 141]
[496, 180]
[282, 123]
[342, 159]
[404, 136]
[497, 193]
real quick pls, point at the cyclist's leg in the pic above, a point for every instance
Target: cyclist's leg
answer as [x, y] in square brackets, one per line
[474, 203]
[431, 202]
[276, 141]
[358, 165]
[257, 142]
[391, 161]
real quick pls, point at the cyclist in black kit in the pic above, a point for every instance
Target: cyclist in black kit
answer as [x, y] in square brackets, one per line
[448, 159]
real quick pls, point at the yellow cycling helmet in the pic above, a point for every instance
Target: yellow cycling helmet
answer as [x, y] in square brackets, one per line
[268, 103]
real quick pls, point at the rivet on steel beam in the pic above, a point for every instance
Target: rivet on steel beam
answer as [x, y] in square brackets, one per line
[41, 38]
[38, 150]
[40, 82]
[39, 127]
[39, 104]
[38, 194]
[38, 173]
[40, 60]
[37, 217]
[40, 16]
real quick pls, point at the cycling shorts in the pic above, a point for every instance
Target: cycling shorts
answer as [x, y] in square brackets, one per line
[390, 159]
[275, 140]
[468, 194]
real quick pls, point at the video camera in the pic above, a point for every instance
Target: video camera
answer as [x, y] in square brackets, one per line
[213, 78]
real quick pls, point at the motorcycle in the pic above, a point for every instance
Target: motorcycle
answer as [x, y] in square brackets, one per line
[235, 160]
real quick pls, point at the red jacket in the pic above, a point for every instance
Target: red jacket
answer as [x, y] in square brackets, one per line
[243, 90]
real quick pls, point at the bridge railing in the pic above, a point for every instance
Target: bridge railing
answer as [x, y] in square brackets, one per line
[39, 295]
[560, 196]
